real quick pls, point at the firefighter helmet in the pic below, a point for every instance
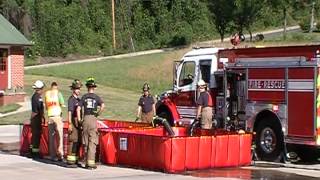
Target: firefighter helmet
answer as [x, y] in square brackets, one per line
[90, 82]
[76, 84]
[38, 85]
[145, 87]
[201, 83]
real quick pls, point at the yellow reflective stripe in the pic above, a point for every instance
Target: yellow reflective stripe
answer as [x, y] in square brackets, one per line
[52, 103]
[318, 138]
[318, 80]
[71, 158]
[91, 162]
[318, 100]
[35, 150]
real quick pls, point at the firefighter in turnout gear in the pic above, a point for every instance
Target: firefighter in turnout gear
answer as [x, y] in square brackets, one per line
[54, 102]
[92, 105]
[146, 106]
[74, 117]
[37, 117]
[204, 102]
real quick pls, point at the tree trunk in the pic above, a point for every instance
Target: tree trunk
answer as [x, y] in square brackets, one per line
[284, 23]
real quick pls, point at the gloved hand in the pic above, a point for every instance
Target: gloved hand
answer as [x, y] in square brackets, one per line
[70, 128]
[137, 119]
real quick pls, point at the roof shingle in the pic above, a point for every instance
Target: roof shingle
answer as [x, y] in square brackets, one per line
[9, 35]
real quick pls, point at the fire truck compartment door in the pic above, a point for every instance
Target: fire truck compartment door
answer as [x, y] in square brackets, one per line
[301, 102]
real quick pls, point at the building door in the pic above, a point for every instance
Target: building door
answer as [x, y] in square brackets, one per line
[3, 68]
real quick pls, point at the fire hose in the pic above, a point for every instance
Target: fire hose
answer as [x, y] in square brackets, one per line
[195, 124]
[162, 121]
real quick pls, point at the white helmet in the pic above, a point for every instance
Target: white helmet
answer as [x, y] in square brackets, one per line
[201, 83]
[38, 85]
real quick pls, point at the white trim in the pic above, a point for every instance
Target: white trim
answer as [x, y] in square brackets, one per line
[186, 107]
[301, 84]
[301, 90]
[271, 59]
[9, 65]
[4, 47]
[266, 90]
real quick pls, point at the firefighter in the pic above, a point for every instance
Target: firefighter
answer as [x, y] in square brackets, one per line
[54, 102]
[146, 106]
[37, 117]
[92, 105]
[74, 117]
[204, 102]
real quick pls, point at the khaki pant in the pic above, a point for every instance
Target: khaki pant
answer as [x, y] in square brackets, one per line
[36, 128]
[147, 117]
[55, 125]
[74, 144]
[206, 118]
[90, 138]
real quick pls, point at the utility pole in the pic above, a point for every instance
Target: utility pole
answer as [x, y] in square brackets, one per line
[312, 18]
[113, 26]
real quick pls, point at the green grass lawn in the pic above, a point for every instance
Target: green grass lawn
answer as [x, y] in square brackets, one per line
[125, 73]
[9, 108]
[119, 82]
[120, 104]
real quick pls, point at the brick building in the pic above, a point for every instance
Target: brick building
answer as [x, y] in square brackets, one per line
[12, 45]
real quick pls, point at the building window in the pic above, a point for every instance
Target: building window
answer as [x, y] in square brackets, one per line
[3, 59]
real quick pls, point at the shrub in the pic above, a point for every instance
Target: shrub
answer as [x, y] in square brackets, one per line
[304, 24]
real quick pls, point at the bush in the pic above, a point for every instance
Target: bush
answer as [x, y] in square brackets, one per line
[318, 26]
[183, 34]
[304, 25]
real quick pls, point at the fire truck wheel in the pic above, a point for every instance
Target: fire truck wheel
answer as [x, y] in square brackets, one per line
[269, 140]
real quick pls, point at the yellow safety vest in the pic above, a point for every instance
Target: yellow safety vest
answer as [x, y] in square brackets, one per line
[52, 103]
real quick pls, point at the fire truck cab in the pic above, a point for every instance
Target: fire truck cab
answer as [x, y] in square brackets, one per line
[179, 104]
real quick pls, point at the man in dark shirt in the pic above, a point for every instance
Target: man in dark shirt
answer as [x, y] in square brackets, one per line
[74, 115]
[204, 103]
[37, 117]
[92, 105]
[146, 105]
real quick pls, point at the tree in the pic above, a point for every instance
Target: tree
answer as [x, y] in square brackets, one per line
[18, 13]
[222, 14]
[284, 6]
[246, 13]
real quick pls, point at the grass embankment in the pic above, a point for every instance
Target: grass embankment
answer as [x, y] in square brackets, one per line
[124, 73]
[9, 108]
[119, 81]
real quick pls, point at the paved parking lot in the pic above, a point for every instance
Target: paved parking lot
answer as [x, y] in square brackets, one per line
[16, 167]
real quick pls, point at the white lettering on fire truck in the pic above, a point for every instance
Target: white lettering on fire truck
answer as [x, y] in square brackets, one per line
[256, 84]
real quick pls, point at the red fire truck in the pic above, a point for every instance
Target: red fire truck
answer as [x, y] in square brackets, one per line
[273, 91]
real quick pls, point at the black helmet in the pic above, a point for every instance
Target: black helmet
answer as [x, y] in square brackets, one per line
[90, 82]
[76, 84]
[145, 87]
